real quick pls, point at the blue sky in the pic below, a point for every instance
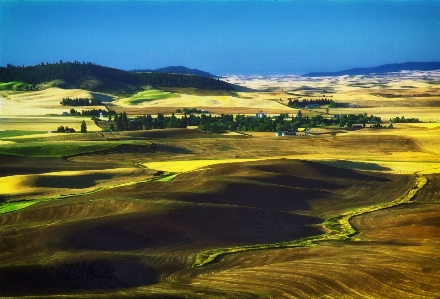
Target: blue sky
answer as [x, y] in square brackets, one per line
[222, 37]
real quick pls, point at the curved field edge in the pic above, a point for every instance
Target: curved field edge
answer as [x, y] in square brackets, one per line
[18, 205]
[338, 227]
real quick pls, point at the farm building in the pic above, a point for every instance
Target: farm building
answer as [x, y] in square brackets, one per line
[284, 133]
[372, 123]
[260, 114]
[310, 106]
[354, 105]
[358, 126]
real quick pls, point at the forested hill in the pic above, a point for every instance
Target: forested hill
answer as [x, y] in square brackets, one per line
[178, 70]
[386, 68]
[94, 77]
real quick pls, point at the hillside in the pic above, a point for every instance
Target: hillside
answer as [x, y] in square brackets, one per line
[178, 70]
[386, 68]
[98, 78]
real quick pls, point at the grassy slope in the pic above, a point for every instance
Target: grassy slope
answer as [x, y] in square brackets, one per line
[149, 95]
[59, 149]
[14, 133]
[14, 85]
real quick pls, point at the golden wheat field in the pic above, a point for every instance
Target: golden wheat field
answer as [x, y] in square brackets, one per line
[181, 213]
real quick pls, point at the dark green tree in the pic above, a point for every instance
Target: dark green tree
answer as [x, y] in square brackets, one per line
[83, 127]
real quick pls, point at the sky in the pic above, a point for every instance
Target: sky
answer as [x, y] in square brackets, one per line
[222, 36]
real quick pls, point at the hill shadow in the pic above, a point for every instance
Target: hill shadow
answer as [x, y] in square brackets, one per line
[75, 277]
[254, 194]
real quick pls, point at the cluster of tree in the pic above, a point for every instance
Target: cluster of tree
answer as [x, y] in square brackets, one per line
[80, 102]
[62, 129]
[93, 112]
[97, 112]
[350, 119]
[66, 129]
[190, 111]
[75, 73]
[295, 103]
[122, 123]
[404, 120]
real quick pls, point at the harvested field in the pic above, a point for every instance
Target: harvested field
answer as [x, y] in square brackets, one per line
[48, 123]
[44, 102]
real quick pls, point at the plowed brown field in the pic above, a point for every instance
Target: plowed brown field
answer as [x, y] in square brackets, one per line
[141, 240]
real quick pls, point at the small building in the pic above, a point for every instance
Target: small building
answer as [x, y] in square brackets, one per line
[65, 113]
[260, 114]
[372, 123]
[354, 105]
[310, 106]
[358, 126]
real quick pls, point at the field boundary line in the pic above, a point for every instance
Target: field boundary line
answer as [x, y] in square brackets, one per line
[338, 227]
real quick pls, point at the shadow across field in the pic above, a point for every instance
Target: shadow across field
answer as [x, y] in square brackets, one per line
[14, 165]
[356, 165]
[118, 149]
[256, 194]
[73, 277]
[72, 181]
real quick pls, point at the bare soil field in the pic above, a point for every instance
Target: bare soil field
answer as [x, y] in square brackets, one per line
[142, 207]
[108, 240]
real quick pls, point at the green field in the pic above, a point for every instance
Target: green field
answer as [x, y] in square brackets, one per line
[14, 85]
[14, 133]
[149, 95]
[14, 206]
[59, 149]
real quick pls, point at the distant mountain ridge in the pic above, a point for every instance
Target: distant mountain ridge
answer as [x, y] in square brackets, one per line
[386, 68]
[178, 70]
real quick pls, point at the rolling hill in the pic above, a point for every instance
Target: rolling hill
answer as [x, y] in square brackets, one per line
[92, 77]
[386, 68]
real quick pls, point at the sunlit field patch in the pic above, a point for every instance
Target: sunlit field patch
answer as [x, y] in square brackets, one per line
[185, 166]
[149, 95]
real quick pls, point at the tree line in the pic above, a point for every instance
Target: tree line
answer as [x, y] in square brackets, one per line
[227, 122]
[80, 102]
[93, 112]
[404, 120]
[295, 103]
